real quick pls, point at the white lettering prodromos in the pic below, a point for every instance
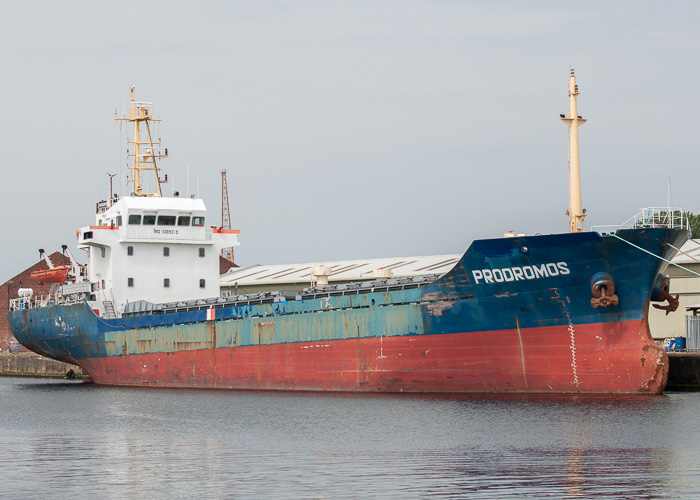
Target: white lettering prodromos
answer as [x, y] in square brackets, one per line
[507, 274]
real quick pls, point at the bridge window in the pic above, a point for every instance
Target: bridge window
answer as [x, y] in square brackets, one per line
[166, 220]
[149, 220]
[134, 220]
[198, 221]
[183, 220]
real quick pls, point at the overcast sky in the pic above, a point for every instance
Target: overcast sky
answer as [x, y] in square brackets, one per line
[351, 129]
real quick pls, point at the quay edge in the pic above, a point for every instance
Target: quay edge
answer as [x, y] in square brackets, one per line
[29, 364]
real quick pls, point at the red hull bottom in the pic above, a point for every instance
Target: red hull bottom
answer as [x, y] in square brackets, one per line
[595, 358]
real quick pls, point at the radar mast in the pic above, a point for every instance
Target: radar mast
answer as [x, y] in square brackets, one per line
[144, 154]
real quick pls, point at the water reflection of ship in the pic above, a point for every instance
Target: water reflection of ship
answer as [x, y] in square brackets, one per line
[553, 446]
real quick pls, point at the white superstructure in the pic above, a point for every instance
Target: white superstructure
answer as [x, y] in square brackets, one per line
[154, 249]
[146, 247]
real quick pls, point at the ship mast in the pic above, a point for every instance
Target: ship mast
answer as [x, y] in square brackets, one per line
[144, 153]
[574, 121]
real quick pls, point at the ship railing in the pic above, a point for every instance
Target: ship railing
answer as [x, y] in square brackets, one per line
[19, 304]
[51, 299]
[33, 302]
[651, 217]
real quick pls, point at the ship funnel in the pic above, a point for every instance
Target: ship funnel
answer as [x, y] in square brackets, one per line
[575, 211]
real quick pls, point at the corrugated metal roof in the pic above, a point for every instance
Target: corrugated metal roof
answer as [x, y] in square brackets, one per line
[690, 253]
[344, 270]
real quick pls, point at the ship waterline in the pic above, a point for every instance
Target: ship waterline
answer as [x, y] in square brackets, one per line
[538, 360]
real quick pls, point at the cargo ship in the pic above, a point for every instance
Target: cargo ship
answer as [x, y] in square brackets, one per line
[561, 313]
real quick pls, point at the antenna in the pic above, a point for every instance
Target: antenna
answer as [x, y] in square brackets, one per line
[125, 178]
[111, 191]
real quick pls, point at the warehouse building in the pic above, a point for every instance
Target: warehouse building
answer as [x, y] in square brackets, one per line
[296, 277]
[686, 284]
[8, 290]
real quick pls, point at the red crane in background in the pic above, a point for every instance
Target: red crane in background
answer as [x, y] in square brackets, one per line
[226, 253]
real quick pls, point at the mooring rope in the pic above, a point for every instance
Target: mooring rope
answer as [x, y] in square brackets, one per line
[654, 255]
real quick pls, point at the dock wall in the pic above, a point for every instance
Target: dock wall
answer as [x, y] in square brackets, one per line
[683, 371]
[28, 364]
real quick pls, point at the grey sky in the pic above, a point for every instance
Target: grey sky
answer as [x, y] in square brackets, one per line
[350, 129]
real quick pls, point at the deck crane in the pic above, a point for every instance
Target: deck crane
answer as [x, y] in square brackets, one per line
[77, 271]
[45, 256]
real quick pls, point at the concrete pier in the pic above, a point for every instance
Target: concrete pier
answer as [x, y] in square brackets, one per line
[28, 364]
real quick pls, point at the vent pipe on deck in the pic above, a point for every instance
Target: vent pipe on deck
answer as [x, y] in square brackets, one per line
[320, 275]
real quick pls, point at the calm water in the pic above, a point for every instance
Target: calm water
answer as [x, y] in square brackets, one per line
[64, 439]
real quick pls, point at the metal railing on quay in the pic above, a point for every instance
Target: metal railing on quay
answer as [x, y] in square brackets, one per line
[692, 333]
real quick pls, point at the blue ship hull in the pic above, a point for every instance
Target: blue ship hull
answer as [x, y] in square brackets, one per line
[514, 315]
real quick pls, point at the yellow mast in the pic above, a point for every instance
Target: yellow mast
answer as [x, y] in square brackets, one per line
[144, 153]
[574, 121]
